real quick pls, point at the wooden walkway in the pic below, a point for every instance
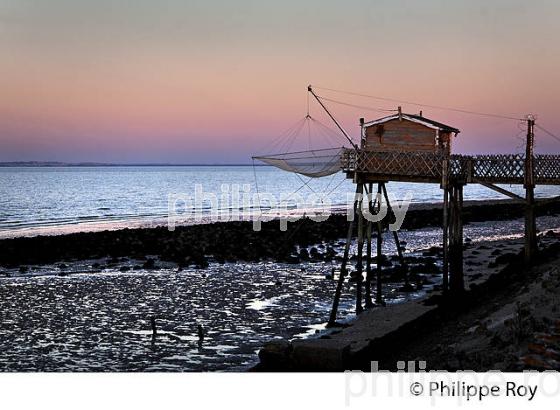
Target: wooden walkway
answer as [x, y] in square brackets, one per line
[378, 166]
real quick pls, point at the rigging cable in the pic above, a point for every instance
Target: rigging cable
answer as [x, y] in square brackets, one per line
[438, 107]
[548, 132]
[363, 107]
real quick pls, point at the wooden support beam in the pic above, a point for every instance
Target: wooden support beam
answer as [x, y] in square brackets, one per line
[456, 280]
[529, 184]
[445, 226]
[343, 271]
[369, 273]
[379, 285]
[500, 190]
[359, 263]
[530, 247]
[397, 243]
[445, 223]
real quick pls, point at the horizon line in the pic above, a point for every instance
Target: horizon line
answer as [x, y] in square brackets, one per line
[7, 164]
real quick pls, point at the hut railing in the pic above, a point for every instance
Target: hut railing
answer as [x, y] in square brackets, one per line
[547, 169]
[393, 163]
[506, 169]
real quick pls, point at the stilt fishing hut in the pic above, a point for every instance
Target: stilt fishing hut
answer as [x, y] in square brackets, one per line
[412, 148]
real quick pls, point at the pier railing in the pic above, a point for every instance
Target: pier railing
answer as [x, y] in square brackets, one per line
[429, 167]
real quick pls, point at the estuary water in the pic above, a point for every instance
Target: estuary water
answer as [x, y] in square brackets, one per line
[51, 200]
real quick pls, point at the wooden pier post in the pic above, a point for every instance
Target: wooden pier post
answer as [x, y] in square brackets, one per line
[378, 290]
[529, 184]
[369, 273]
[359, 263]
[445, 224]
[400, 254]
[456, 279]
[338, 291]
[154, 326]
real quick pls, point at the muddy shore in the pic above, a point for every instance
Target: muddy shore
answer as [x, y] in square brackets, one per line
[230, 241]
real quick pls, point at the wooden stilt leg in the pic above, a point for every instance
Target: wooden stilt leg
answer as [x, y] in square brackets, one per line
[456, 282]
[338, 291]
[359, 264]
[452, 235]
[530, 226]
[378, 291]
[445, 224]
[460, 282]
[369, 273]
[529, 184]
[397, 242]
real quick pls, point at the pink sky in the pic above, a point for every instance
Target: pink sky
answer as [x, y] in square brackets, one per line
[192, 82]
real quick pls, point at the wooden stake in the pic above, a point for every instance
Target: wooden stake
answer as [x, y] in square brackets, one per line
[154, 327]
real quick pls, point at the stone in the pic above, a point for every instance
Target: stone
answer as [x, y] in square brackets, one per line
[275, 355]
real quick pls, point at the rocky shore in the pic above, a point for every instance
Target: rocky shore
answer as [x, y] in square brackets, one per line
[508, 319]
[229, 241]
[509, 323]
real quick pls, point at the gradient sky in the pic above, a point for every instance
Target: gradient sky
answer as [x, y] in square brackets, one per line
[187, 81]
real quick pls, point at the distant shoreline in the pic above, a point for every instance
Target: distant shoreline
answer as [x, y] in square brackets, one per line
[32, 164]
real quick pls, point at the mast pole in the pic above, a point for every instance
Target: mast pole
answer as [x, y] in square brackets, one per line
[332, 118]
[529, 183]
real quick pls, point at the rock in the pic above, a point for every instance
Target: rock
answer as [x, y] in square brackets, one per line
[275, 355]
[149, 264]
[314, 253]
[406, 288]
[320, 354]
[506, 258]
[23, 269]
[536, 348]
[433, 251]
[124, 268]
[534, 362]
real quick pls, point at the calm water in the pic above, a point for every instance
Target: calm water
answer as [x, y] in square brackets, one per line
[59, 199]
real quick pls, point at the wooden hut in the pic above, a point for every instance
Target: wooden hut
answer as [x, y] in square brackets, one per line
[407, 133]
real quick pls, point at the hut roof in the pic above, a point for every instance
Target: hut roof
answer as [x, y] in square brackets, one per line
[414, 118]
